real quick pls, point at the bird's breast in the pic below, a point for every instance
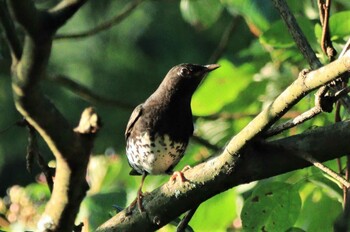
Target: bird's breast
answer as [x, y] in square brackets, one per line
[156, 154]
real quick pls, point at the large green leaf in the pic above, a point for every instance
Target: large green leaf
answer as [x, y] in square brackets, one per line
[339, 26]
[100, 207]
[319, 210]
[278, 36]
[221, 87]
[273, 206]
[258, 14]
[216, 214]
[201, 13]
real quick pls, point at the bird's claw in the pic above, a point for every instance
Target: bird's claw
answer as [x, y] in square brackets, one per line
[180, 174]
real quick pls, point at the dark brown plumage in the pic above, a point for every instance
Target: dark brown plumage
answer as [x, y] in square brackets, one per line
[159, 129]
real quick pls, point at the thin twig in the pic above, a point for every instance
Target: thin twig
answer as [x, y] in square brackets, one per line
[345, 48]
[322, 104]
[225, 38]
[204, 142]
[322, 167]
[326, 42]
[240, 115]
[186, 219]
[311, 113]
[88, 94]
[225, 116]
[10, 31]
[17, 123]
[103, 26]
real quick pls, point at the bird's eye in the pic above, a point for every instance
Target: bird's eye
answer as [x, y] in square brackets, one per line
[184, 72]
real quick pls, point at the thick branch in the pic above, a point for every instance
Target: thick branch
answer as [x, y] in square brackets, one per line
[258, 161]
[287, 99]
[71, 149]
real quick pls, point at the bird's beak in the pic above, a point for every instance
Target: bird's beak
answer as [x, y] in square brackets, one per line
[211, 67]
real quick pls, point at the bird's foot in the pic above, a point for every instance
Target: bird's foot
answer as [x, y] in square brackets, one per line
[180, 174]
[138, 202]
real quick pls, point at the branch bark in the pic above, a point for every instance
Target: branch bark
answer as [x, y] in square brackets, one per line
[258, 161]
[71, 147]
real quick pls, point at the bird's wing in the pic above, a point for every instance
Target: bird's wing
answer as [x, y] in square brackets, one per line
[133, 119]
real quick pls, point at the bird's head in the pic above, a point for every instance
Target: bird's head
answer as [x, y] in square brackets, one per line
[185, 78]
[191, 71]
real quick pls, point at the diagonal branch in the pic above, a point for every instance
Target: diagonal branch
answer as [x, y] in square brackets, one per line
[86, 93]
[64, 11]
[297, 34]
[287, 99]
[259, 161]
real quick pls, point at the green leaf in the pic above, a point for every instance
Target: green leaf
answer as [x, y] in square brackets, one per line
[38, 192]
[258, 14]
[319, 210]
[339, 26]
[201, 13]
[221, 87]
[273, 206]
[278, 36]
[208, 216]
[99, 207]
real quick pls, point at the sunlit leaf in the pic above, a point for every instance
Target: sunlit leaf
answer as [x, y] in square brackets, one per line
[258, 14]
[210, 211]
[221, 87]
[38, 192]
[201, 13]
[319, 210]
[100, 207]
[273, 206]
[278, 36]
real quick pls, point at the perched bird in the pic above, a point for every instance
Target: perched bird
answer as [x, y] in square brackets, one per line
[159, 129]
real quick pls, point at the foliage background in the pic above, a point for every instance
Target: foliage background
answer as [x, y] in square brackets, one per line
[128, 61]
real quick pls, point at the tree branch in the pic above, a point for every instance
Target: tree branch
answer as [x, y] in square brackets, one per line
[288, 98]
[64, 11]
[105, 25]
[258, 161]
[88, 94]
[70, 148]
[326, 42]
[297, 33]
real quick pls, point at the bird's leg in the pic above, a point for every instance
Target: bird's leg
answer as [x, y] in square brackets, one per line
[140, 194]
[138, 199]
[180, 174]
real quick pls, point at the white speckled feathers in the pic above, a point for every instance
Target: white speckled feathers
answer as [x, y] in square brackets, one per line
[154, 157]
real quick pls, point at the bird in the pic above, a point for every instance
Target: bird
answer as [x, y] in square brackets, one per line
[159, 129]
